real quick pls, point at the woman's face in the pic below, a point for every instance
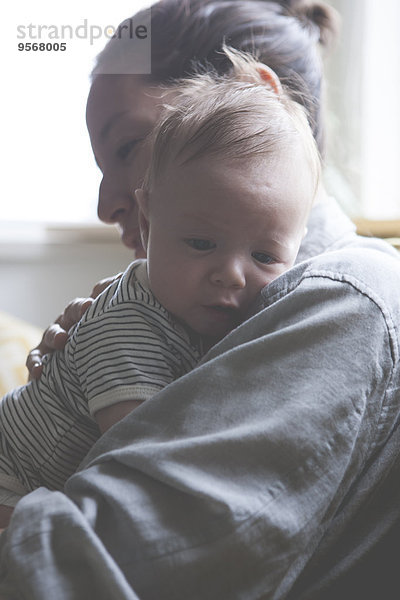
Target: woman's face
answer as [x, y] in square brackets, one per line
[121, 112]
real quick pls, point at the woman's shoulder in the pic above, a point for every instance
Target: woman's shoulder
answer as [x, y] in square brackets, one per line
[349, 296]
[369, 264]
[365, 266]
[333, 247]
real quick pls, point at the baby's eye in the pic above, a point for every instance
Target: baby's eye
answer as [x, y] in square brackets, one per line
[124, 150]
[263, 258]
[198, 244]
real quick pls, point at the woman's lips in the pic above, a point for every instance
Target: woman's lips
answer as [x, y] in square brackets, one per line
[132, 240]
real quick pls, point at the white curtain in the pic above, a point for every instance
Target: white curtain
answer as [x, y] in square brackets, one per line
[363, 98]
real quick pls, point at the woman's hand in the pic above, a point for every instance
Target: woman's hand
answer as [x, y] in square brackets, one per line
[55, 337]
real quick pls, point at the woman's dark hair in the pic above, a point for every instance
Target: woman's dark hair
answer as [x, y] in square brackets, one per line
[285, 35]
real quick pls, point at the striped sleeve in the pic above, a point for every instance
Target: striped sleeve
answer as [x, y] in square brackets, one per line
[43, 438]
[131, 348]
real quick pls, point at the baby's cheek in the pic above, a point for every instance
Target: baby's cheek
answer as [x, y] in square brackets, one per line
[159, 281]
[266, 279]
[170, 289]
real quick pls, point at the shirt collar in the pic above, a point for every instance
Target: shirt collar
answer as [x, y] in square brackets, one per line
[327, 228]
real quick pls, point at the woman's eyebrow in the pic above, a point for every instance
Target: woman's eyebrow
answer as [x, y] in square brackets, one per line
[111, 122]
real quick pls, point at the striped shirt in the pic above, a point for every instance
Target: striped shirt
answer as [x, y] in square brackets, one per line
[126, 347]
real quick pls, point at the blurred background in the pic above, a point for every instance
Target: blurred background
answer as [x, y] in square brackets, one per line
[52, 247]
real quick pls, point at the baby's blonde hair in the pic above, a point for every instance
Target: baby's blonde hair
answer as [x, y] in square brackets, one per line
[239, 115]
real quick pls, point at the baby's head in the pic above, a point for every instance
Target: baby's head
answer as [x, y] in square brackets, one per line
[225, 202]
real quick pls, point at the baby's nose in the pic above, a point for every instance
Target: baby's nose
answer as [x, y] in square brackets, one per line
[229, 274]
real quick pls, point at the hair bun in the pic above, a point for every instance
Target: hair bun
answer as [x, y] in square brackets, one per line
[325, 17]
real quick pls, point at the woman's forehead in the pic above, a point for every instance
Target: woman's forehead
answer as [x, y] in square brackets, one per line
[116, 94]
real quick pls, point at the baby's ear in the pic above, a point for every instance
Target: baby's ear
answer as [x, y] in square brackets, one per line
[142, 199]
[269, 77]
[143, 204]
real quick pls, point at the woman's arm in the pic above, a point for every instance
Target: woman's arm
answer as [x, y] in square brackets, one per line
[223, 485]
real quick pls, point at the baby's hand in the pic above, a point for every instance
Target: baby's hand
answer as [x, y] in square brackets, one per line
[55, 337]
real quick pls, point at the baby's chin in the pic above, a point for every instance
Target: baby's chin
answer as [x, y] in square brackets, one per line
[216, 323]
[254, 307]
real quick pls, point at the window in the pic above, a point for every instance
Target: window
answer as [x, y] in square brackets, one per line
[364, 116]
[47, 164]
[48, 168]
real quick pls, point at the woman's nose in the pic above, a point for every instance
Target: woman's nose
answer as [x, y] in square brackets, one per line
[114, 202]
[230, 274]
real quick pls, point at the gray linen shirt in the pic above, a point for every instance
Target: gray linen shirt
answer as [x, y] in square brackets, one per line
[231, 482]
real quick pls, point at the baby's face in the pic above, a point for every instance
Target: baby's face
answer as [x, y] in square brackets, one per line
[219, 232]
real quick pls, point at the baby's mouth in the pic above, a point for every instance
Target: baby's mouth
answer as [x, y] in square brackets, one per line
[223, 308]
[223, 312]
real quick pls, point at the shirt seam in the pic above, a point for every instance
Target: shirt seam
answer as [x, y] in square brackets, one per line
[123, 393]
[365, 290]
[359, 287]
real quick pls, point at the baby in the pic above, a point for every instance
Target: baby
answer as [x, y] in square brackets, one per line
[233, 174]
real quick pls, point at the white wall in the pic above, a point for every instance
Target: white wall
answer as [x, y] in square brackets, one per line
[38, 279]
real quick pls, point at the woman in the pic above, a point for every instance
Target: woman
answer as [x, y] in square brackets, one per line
[286, 35]
[260, 473]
